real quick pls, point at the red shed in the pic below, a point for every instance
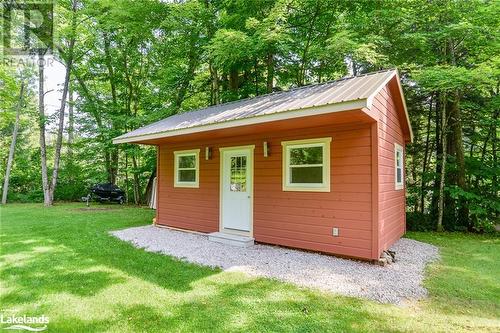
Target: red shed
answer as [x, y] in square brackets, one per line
[319, 167]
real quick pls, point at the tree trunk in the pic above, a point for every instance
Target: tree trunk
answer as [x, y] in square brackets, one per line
[98, 120]
[456, 127]
[443, 166]
[60, 130]
[439, 154]
[214, 76]
[126, 177]
[426, 155]
[111, 154]
[301, 77]
[495, 158]
[113, 166]
[41, 124]
[71, 124]
[137, 192]
[215, 85]
[256, 76]
[354, 67]
[12, 145]
[270, 72]
[414, 175]
[320, 71]
[233, 79]
[109, 66]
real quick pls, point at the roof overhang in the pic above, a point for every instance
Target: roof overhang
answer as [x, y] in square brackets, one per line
[405, 109]
[290, 114]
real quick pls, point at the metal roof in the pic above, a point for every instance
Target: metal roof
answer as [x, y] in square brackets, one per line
[356, 88]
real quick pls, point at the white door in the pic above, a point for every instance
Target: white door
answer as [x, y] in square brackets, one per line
[236, 189]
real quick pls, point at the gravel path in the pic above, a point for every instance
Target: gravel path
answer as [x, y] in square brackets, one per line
[395, 283]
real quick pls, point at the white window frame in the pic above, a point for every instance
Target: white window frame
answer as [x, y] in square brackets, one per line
[399, 185]
[306, 187]
[181, 153]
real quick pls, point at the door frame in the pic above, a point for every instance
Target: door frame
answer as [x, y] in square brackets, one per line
[222, 150]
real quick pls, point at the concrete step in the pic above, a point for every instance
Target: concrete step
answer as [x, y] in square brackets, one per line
[230, 239]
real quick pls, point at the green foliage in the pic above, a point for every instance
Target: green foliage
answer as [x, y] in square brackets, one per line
[230, 49]
[417, 221]
[137, 62]
[481, 207]
[7, 85]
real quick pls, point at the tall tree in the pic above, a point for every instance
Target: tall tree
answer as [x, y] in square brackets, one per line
[42, 124]
[67, 56]
[13, 143]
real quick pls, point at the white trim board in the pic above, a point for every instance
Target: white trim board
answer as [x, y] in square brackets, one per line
[370, 98]
[313, 111]
[287, 186]
[180, 153]
[399, 149]
[250, 166]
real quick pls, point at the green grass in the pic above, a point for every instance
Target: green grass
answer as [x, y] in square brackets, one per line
[61, 262]
[467, 280]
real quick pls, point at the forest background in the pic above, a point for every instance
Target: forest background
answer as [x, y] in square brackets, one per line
[129, 63]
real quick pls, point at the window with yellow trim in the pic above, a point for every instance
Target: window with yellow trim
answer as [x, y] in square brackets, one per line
[186, 168]
[306, 165]
[398, 167]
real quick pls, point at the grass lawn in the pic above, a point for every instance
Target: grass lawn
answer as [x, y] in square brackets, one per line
[61, 262]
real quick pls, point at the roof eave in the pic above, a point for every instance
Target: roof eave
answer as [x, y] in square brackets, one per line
[295, 113]
[403, 99]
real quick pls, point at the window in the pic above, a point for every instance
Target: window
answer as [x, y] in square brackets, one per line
[186, 168]
[238, 181]
[306, 165]
[399, 166]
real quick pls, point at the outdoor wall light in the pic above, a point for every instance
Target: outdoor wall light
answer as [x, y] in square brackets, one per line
[267, 150]
[208, 153]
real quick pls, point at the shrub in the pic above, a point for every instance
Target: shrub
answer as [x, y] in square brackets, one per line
[416, 221]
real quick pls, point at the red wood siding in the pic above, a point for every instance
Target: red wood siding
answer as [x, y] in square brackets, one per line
[391, 207]
[296, 219]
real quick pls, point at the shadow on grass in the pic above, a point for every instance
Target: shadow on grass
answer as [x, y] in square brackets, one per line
[242, 307]
[259, 305]
[82, 244]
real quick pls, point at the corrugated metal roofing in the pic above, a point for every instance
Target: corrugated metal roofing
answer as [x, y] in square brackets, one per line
[333, 92]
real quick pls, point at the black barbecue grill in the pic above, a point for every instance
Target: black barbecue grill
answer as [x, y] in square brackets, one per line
[108, 192]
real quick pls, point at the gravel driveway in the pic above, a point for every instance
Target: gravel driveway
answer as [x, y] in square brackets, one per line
[395, 283]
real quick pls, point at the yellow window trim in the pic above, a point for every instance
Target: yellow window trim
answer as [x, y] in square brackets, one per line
[180, 153]
[400, 185]
[287, 145]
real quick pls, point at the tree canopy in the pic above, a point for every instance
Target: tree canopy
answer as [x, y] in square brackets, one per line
[130, 63]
